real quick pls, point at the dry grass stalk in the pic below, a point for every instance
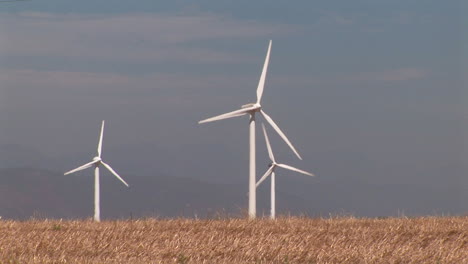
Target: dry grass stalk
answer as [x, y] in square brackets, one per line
[286, 240]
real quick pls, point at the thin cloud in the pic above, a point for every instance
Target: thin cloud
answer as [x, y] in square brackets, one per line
[391, 75]
[394, 75]
[26, 87]
[369, 22]
[127, 38]
[335, 19]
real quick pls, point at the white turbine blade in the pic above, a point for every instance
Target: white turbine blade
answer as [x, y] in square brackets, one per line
[99, 149]
[270, 152]
[241, 114]
[261, 83]
[235, 113]
[282, 135]
[87, 165]
[267, 173]
[295, 169]
[113, 172]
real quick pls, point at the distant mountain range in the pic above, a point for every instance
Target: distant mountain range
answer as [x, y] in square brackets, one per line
[33, 185]
[26, 193]
[39, 193]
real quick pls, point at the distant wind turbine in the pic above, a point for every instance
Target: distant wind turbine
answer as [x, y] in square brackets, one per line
[97, 161]
[251, 109]
[271, 171]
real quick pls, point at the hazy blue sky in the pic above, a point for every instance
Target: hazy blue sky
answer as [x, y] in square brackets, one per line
[366, 90]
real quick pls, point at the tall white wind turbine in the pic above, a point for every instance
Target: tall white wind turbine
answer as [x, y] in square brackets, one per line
[271, 171]
[97, 161]
[252, 109]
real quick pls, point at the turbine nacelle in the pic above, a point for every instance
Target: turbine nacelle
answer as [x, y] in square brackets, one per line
[97, 159]
[255, 107]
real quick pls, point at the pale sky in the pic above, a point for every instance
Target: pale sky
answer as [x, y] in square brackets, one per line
[372, 91]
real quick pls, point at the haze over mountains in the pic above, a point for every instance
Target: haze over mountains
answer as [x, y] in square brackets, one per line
[30, 186]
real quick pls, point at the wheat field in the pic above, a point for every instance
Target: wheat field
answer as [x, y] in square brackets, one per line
[285, 240]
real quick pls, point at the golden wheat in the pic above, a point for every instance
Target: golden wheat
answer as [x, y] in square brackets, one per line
[286, 240]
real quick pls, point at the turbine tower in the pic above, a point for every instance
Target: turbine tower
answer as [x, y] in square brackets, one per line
[252, 109]
[271, 171]
[97, 162]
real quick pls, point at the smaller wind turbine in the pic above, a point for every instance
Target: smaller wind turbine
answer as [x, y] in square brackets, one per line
[271, 171]
[97, 161]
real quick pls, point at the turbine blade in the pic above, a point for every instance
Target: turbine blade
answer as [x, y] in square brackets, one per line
[261, 83]
[99, 149]
[284, 166]
[267, 173]
[113, 172]
[270, 152]
[235, 113]
[282, 135]
[87, 165]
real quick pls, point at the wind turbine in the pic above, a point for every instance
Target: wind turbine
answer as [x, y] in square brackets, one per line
[97, 161]
[271, 171]
[252, 109]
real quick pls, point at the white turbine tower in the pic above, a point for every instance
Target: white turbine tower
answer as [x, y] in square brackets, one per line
[97, 161]
[252, 109]
[271, 171]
